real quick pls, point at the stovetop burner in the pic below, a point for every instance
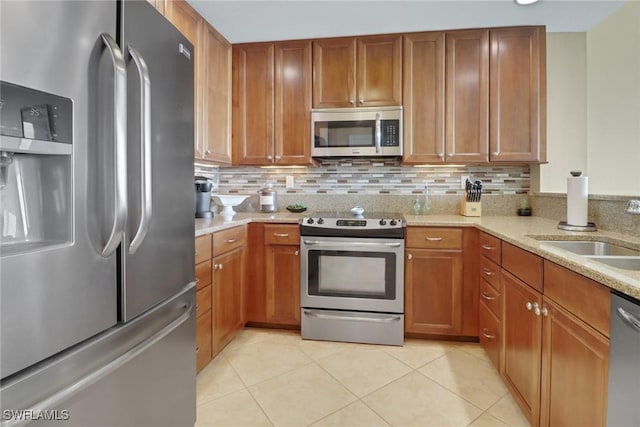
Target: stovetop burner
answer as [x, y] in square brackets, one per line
[346, 224]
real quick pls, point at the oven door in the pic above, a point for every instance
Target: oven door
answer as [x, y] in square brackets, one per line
[359, 274]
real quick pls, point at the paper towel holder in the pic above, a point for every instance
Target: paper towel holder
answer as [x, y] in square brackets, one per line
[564, 225]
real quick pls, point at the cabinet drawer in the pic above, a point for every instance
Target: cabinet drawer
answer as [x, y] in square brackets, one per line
[203, 274]
[522, 264]
[491, 247]
[491, 297]
[203, 248]
[226, 240]
[584, 298]
[433, 238]
[203, 340]
[490, 334]
[490, 272]
[281, 234]
[203, 301]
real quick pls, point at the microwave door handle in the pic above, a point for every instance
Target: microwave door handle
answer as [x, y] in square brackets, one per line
[145, 149]
[120, 145]
[378, 136]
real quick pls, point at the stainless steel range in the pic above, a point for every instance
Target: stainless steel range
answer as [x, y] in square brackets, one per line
[352, 278]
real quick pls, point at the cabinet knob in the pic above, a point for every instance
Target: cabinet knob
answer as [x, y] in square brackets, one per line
[296, 253]
[269, 157]
[528, 306]
[278, 157]
[545, 312]
[220, 266]
[495, 153]
[536, 309]
[361, 101]
[352, 102]
[208, 152]
[440, 155]
[409, 256]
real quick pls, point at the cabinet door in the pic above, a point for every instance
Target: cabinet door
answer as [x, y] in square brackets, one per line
[158, 4]
[575, 361]
[379, 71]
[467, 58]
[334, 72]
[190, 24]
[203, 340]
[283, 284]
[433, 291]
[228, 297]
[423, 87]
[293, 103]
[490, 334]
[252, 114]
[518, 95]
[217, 97]
[522, 344]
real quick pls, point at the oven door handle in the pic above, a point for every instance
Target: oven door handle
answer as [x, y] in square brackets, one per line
[378, 319]
[341, 244]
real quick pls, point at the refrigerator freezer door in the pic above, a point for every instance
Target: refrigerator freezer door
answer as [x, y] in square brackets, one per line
[158, 254]
[141, 373]
[54, 296]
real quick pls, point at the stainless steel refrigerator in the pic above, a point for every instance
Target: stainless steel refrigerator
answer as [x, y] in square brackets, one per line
[97, 288]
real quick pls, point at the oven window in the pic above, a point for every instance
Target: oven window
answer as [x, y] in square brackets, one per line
[355, 133]
[352, 274]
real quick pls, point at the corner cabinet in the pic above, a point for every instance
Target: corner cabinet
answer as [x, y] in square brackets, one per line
[272, 103]
[518, 95]
[357, 72]
[435, 285]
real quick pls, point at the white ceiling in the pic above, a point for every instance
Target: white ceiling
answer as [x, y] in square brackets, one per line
[267, 20]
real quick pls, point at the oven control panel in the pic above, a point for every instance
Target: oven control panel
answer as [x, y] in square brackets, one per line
[354, 223]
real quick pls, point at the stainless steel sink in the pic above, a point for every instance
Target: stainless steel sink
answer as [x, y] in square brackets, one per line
[625, 263]
[592, 248]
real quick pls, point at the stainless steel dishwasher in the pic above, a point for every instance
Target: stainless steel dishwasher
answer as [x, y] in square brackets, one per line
[624, 363]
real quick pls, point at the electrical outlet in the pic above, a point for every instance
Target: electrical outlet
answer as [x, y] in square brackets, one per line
[290, 182]
[463, 180]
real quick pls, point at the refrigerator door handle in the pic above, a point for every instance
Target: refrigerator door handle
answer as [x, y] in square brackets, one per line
[145, 150]
[120, 145]
[75, 388]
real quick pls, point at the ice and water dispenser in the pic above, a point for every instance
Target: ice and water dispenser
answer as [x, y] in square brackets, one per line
[36, 136]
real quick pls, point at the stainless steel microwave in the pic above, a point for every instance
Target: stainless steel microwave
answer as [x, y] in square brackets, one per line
[349, 132]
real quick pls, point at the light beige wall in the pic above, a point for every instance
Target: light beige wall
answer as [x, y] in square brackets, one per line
[566, 112]
[613, 93]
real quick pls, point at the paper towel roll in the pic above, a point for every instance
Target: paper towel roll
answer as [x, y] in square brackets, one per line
[577, 199]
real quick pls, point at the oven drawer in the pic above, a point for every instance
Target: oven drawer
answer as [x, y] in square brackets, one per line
[433, 238]
[351, 326]
[281, 234]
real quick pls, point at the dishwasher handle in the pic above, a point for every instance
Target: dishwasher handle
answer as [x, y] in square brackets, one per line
[629, 318]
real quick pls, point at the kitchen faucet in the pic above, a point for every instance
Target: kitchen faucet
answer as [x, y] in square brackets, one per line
[633, 207]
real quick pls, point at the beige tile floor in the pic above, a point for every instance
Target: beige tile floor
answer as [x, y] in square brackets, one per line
[274, 378]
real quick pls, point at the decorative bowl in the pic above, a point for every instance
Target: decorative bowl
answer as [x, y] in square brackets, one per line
[228, 201]
[296, 208]
[357, 210]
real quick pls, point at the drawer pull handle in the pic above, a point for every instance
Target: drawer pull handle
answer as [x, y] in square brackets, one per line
[231, 240]
[281, 234]
[486, 334]
[487, 247]
[487, 296]
[197, 280]
[433, 239]
[488, 272]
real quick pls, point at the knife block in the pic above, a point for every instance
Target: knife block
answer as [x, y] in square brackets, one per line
[470, 208]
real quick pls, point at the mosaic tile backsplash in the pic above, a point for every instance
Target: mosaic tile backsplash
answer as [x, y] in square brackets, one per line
[369, 178]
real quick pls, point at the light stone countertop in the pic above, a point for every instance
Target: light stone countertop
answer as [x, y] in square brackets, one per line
[519, 231]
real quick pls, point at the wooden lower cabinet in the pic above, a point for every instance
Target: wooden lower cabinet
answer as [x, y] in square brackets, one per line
[490, 334]
[203, 340]
[575, 361]
[228, 297]
[522, 344]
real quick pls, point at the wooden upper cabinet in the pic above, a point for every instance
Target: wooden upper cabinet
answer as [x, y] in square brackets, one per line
[363, 72]
[216, 106]
[467, 96]
[334, 72]
[252, 114]
[379, 71]
[518, 95]
[190, 24]
[292, 103]
[423, 95]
